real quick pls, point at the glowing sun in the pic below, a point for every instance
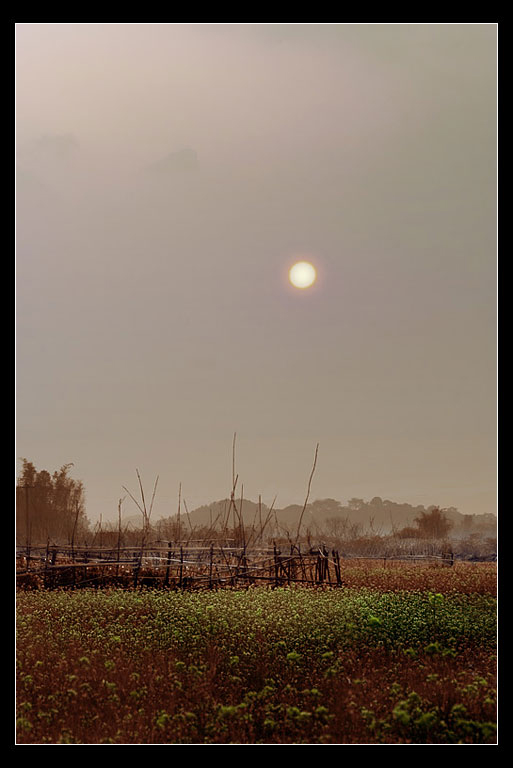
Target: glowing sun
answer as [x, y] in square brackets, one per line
[302, 274]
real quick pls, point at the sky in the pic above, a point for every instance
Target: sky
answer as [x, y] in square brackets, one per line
[167, 178]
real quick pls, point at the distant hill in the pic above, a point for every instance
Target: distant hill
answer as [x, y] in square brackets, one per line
[375, 516]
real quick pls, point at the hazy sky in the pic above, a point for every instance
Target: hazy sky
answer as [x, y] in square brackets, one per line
[154, 315]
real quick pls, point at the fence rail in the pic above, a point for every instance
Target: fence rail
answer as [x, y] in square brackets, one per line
[178, 566]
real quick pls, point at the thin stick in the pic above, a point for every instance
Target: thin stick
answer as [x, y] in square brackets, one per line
[134, 500]
[241, 519]
[73, 532]
[179, 506]
[213, 523]
[307, 493]
[253, 528]
[120, 502]
[233, 504]
[268, 517]
[233, 459]
[188, 516]
[153, 497]
[142, 494]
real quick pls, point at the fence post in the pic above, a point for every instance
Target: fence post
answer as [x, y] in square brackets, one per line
[46, 562]
[327, 556]
[181, 567]
[301, 563]
[136, 572]
[52, 562]
[338, 568]
[318, 568]
[166, 580]
[210, 566]
[291, 570]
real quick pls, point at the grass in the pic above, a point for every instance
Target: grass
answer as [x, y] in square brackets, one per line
[287, 666]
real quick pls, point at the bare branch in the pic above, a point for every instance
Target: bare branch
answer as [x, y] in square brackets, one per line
[153, 497]
[134, 500]
[233, 460]
[142, 494]
[307, 493]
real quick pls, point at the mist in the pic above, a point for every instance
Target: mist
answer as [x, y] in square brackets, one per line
[168, 175]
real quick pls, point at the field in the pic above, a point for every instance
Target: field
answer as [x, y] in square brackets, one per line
[397, 655]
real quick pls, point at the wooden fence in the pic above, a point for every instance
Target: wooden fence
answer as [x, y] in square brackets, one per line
[176, 565]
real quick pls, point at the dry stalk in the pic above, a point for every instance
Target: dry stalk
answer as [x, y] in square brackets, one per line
[268, 517]
[179, 510]
[73, 532]
[120, 502]
[233, 459]
[188, 518]
[146, 514]
[307, 494]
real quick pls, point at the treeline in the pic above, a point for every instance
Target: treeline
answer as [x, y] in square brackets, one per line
[49, 506]
[355, 518]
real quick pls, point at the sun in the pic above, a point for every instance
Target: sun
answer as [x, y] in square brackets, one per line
[302, 274]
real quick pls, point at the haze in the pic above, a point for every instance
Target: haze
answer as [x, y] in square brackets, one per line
[169, 175]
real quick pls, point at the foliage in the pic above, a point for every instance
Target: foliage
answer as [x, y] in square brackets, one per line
[49, 506]
[290, 665]
[433, 524]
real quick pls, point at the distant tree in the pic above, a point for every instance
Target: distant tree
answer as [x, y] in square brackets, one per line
[337, 527]
[324, 507]
[408, 532]
[355, 504]
[49, 506]
[467, 523]
[433, 524]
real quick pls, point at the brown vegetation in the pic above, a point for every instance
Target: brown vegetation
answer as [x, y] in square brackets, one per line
[386, 660]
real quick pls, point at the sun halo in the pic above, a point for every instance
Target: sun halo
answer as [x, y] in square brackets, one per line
[302, 274]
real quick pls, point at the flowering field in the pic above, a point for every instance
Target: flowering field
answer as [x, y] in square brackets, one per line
[406, 659]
